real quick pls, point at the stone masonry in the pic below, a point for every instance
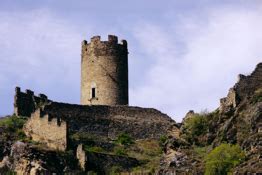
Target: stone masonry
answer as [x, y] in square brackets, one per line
[54, 122]
[44, 128]
[104, 72]
[26, 102]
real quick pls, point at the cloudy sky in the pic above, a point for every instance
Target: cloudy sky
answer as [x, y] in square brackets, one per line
[183, 54]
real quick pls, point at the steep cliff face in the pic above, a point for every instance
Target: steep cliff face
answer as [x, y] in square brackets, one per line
[238, 120]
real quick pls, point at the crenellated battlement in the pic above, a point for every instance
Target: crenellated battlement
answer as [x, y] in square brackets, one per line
[111, 41]
[45, 128]
[48, 118]
[26, 102]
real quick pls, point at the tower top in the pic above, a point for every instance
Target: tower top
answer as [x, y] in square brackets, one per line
[112, 39]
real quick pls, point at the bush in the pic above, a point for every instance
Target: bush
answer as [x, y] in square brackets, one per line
[194, 127]
[222, 159]
[162, 140]
[120, 151]
[124, 139]
[13, 122]
[13, 126]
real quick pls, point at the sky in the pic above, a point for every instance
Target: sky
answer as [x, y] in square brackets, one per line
[183, 55]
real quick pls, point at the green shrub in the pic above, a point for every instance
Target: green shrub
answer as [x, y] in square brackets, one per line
[13, 122]
[124, 139]
[222, 159]
[162, 140]
[120, 151]
[95, 149]
[194, 127]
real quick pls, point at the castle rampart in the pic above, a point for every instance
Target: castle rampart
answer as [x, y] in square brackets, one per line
[54, 122]
[43, 128]
[104, 72]
[26, 102]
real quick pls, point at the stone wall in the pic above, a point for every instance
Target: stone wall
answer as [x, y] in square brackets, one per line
[231, 101]
[104, 67]
[26, 102]
[101, 163]
[110, 121]
[44, 128]
[244, 88]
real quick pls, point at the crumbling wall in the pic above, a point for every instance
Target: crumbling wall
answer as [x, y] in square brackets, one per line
[26, 102]
[244, 88]
[110, 121]
[44, 128]
[101, 163]
[231, 101]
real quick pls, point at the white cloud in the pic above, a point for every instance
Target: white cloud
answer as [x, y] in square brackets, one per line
[41, 51]
[227, 43]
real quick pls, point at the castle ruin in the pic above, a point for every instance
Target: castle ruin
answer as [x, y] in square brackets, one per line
[104, 110]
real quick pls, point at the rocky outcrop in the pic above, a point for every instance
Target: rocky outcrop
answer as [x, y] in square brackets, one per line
[244, 88]
[27, 159]
[238, 120]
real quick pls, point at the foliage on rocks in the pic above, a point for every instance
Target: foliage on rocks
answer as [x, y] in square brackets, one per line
[124, 139]
[222, 159]
[194, 127]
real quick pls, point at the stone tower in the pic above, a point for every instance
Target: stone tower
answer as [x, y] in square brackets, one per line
[104, 72]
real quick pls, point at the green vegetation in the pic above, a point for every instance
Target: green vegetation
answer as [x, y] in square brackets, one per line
[162, 140]
[194, 127]
[148, 152]
[120, 151]
[13, 122]
[13, 125]
[95, 149]
[124, 139]
[222, 159]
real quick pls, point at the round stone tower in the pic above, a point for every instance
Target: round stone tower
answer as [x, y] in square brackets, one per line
[104, 72]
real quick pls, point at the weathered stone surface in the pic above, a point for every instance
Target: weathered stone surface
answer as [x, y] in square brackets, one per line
[102, 163]
[43, 128]
[56, 119]
[104, 66]
[244, 88]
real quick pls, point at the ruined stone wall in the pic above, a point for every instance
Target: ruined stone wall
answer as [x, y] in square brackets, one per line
[231, 101]
[44, 128]
[247, 85]
[244, 88]
[110, 121]
[104, 66]
[26, 102]
[101, 163]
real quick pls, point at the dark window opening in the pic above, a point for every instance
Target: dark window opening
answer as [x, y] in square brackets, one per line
[93, 92]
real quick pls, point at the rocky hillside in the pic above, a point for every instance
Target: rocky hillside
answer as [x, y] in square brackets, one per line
[227, 140]
[237, 122]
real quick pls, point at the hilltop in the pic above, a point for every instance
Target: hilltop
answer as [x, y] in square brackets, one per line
[121, 139]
